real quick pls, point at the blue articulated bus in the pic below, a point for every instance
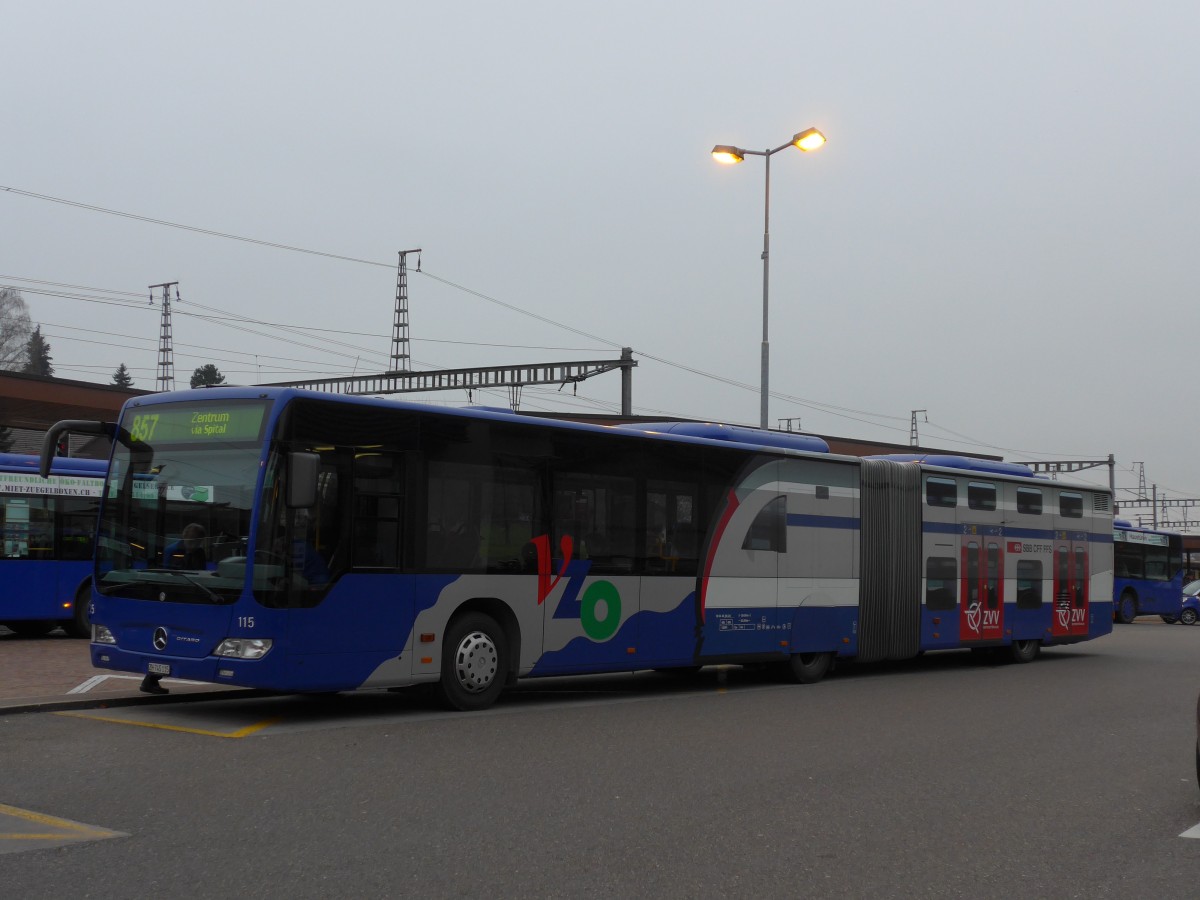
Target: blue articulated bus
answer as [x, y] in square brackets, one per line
[1147, 572]
[345, 543]
[49, 527]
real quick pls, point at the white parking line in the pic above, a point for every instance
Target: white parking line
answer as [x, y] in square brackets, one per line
[1193, 832]
[95, 680]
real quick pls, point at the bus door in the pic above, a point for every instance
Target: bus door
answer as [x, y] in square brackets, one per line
[1071, 600]
[586, 586]
[981, 594]
[348, 594]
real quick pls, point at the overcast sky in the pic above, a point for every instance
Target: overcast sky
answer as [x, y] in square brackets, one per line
[1001, 229]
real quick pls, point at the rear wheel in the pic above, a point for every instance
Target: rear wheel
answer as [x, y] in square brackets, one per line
[1170, 620]
[1189, 617]
[809, 668]
[1127, 608]
[1025, 651]
[474, 663]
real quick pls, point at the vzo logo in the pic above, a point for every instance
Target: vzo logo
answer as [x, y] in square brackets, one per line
[598, 610]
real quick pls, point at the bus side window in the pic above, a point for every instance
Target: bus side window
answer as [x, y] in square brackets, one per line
[41, 531]
[1029, 501]
[378, 501]
[941, 492]
[78, 527]
[768, 531]
[597, 513]
[671, 538]
[14, 518]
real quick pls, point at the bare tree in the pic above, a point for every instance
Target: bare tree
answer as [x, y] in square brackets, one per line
[15, 329]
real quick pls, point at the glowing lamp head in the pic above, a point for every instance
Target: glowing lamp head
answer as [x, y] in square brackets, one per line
[727, 155]
[809, 139]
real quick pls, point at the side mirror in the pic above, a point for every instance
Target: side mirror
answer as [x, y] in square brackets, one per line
[303, 469]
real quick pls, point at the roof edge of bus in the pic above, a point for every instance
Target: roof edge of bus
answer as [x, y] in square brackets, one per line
[1126, 525]
[966, 463]
[736, 434]
[60, 465]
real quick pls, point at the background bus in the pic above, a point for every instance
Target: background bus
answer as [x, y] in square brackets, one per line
[49, 529]
[392, 544]
[1147, 572]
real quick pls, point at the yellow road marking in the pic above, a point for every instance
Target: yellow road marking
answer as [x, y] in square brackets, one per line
[240, 733]
[48, 836]
[81, 831]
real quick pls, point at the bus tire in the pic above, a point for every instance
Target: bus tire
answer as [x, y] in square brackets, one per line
[1189, 617]
[474, 663]
[32, 628]
[809, 668]
[1025, 651]
[80, 624]
[1127, 608]
[1170, 620]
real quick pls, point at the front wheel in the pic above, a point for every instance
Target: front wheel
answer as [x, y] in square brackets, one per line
[474, 663]
[1170, 620]
[1127, 608]
[1025, 651]
[1189, 617]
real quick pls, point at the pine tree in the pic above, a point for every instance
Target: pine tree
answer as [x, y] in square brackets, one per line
[38, 352]
[121, 377]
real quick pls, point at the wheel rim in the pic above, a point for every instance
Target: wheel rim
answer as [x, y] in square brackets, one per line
[1188, 617]
[475, 662]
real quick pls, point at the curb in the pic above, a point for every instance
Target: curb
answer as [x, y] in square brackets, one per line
[113, 702]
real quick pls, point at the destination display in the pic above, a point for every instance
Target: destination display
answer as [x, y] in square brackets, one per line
[195, 423]
[1140, 537]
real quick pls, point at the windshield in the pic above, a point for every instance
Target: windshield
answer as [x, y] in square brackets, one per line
[176, 518]
[1192, 588]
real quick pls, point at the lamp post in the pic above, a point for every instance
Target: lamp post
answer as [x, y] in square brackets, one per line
[809, 139]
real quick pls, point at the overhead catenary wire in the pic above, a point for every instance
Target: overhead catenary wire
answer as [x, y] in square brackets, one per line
[217, 316]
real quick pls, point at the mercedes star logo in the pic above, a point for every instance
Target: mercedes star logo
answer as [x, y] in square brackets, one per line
[160, 638]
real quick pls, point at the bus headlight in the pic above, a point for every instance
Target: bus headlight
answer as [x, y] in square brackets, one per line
[101, 635]
[244, 648]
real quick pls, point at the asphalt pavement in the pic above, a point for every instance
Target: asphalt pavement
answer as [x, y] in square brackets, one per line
[55, 672]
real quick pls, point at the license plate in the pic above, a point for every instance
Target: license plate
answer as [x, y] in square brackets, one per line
[159, 669]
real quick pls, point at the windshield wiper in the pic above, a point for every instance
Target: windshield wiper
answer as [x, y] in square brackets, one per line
[212, 595]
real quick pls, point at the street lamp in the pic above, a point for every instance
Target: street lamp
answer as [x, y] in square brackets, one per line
[809, 139]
